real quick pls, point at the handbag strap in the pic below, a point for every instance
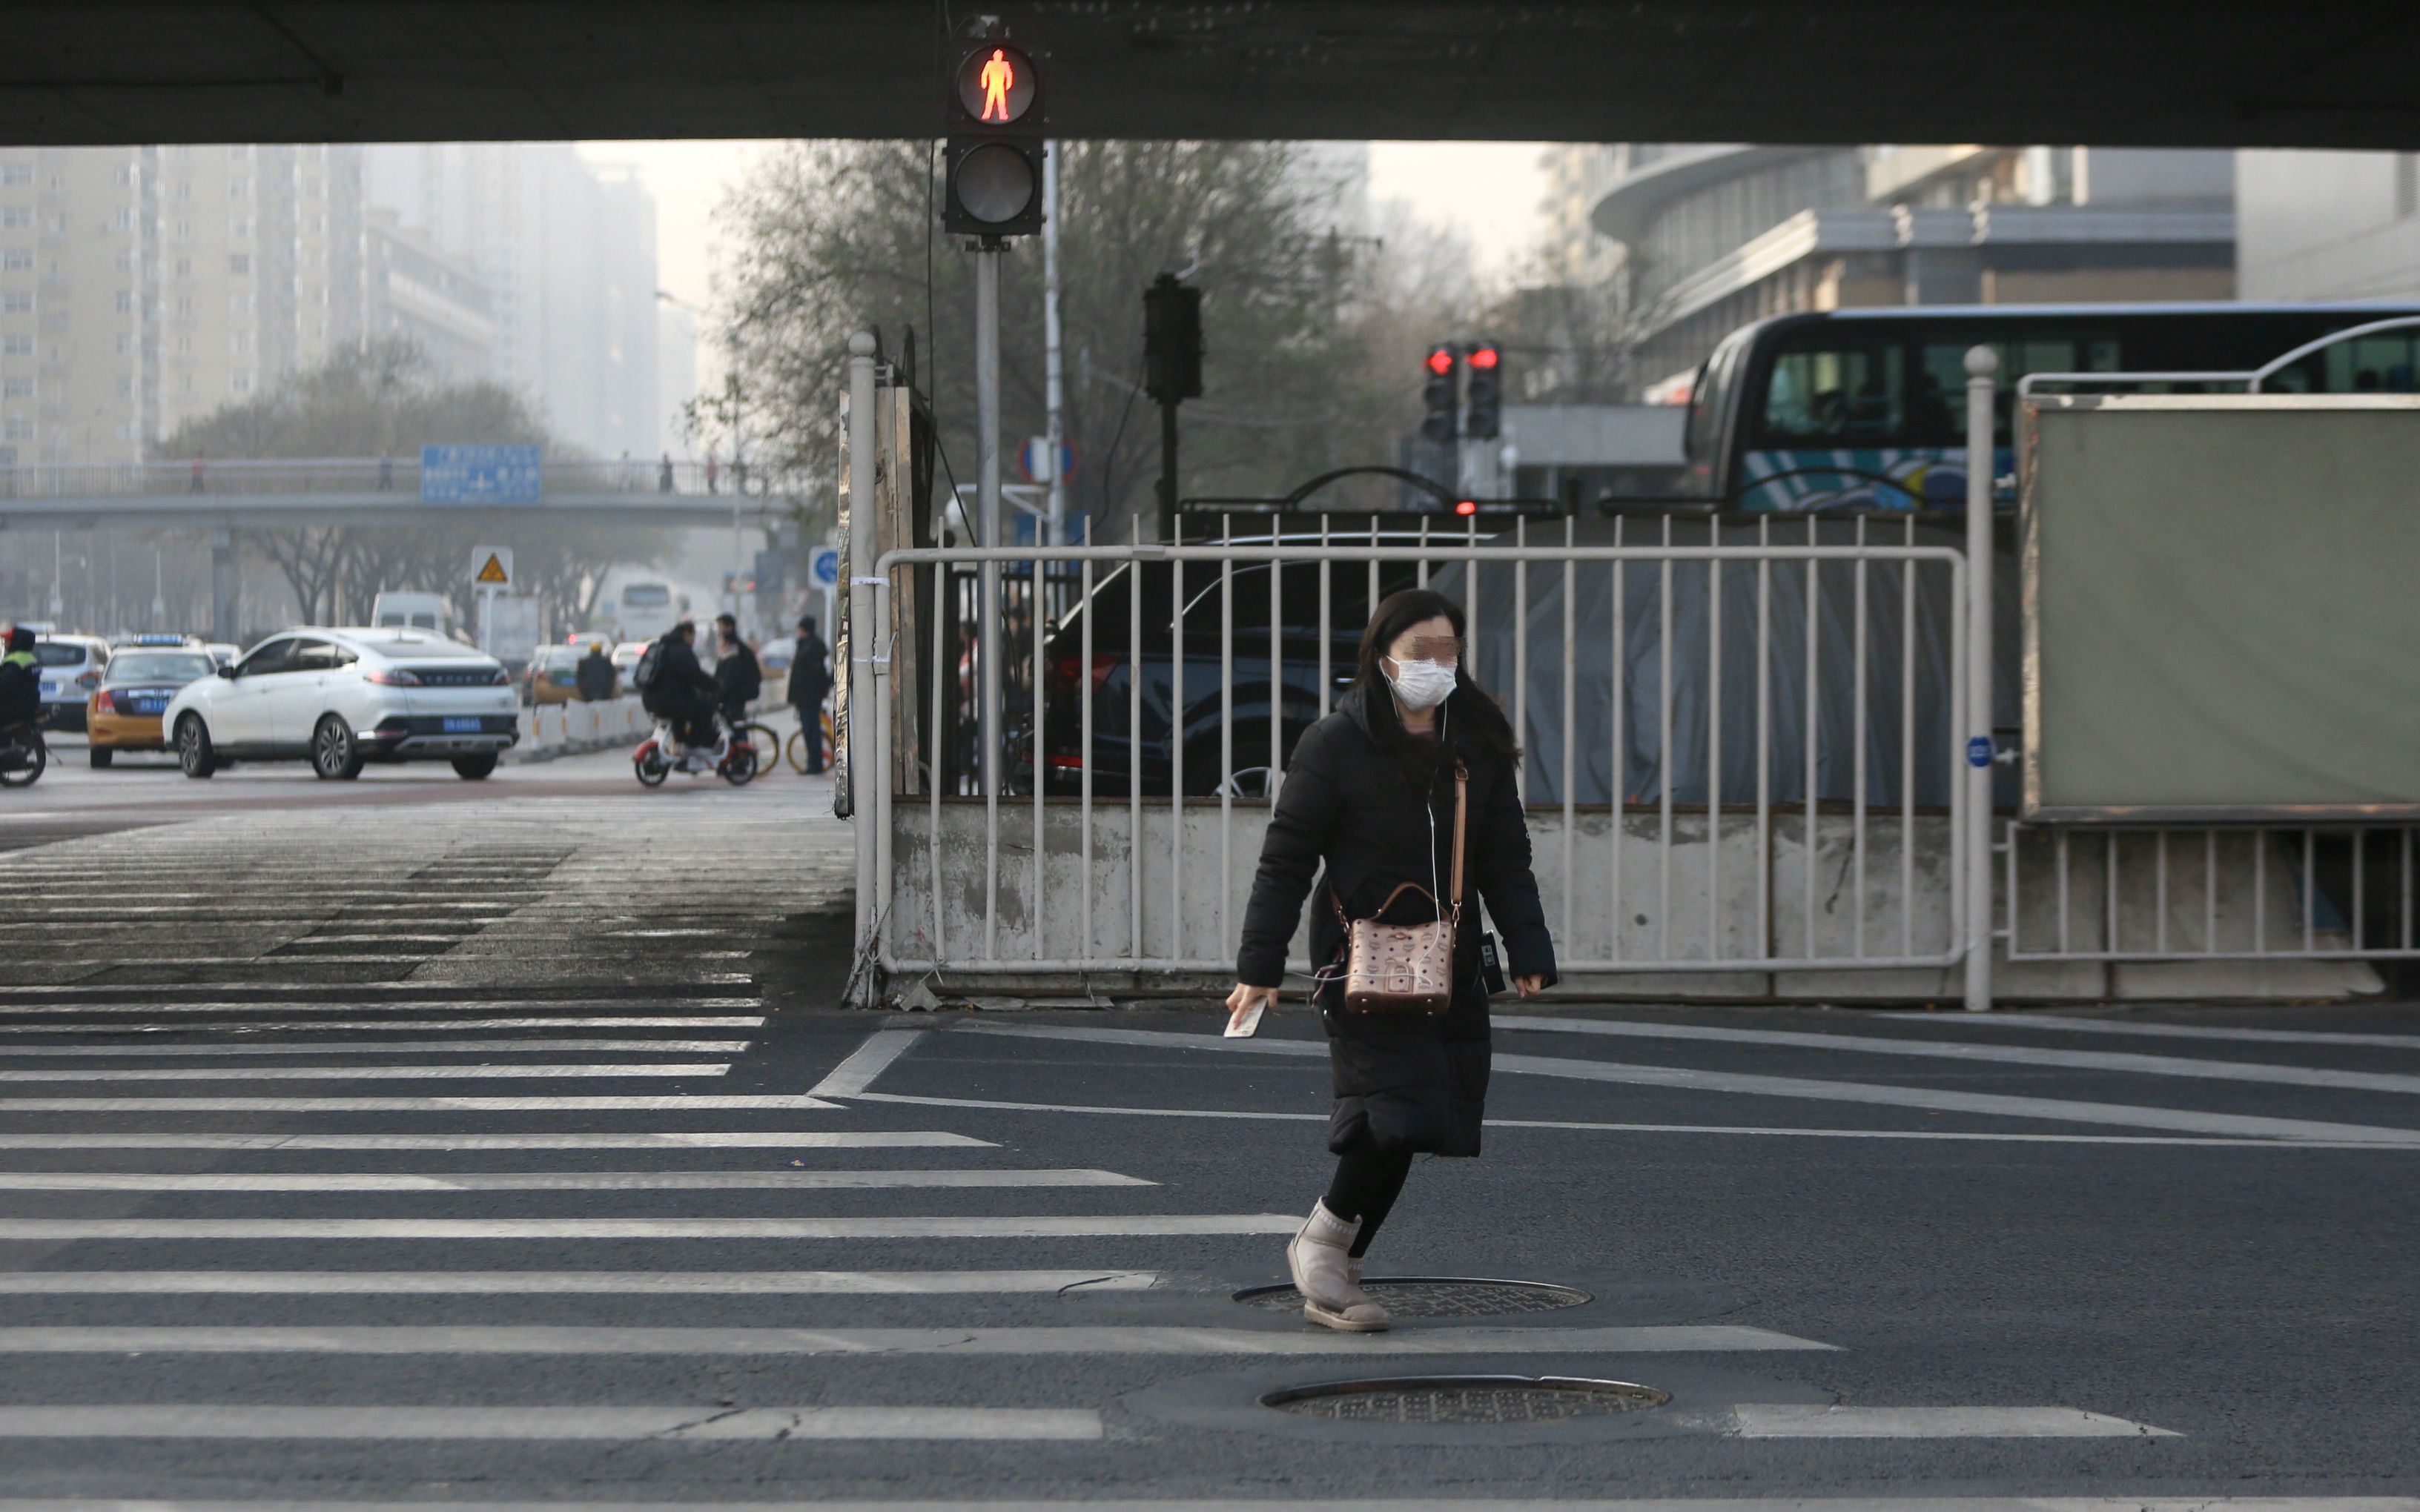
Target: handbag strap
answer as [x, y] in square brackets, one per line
[1401, 887]
[1461, 803]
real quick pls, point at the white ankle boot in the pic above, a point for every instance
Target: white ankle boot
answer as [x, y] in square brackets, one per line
[1325, 1274]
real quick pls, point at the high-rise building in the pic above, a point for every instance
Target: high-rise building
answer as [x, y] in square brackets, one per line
[71, 319]
[1701, 240]
[417, 293]
[568, 256]
[675, 375]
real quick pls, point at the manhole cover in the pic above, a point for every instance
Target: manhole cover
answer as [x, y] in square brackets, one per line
[1436, 1296]
[1480, 1399]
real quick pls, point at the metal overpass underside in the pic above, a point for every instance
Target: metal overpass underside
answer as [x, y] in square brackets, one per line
[2117, 72]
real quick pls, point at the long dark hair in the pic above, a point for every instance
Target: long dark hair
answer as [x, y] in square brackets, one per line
[1473, 720]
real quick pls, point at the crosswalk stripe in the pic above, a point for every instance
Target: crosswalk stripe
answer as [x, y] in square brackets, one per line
[698, 1103]
[570, 1282]
[825, 1180]
[2001, 1020]
[733, 1021]
[1029, 1226]
[1791, 1420]
[406, 1047]
[866, 1062]
[356, 1073]
[2262, 1502]
[571, 1007]
[483, 1339]
[1685, 1079]
[2127, 1061]
[519, 1424]
[685, 979]
[718, 1139]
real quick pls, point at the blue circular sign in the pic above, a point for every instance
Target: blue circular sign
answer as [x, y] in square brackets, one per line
[1979, 751]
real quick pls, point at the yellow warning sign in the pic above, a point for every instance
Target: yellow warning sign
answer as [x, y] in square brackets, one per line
[493, 572]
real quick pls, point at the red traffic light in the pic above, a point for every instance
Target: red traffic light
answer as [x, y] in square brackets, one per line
[1482, 358]
[1440, 361]
[995, 84]
[1467, 506]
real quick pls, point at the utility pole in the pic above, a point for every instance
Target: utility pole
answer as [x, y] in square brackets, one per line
[1054, 429]
[1982, 459]
[861, 777]
[1171, 360]
[991, 631]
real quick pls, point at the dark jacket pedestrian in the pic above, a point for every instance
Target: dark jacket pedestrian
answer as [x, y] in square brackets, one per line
[683, 690]
[594, 675]
[21, 684]
[811, 683]
[1367, 803]
[737, 676]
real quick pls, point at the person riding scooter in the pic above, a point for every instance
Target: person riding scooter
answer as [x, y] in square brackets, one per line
[20, 684]
[677, 689]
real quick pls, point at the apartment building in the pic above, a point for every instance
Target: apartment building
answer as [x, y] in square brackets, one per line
[72, 334]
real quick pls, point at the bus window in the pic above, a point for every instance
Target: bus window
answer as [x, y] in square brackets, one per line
[1839, 394]
[2381, 364]
[1938, 410]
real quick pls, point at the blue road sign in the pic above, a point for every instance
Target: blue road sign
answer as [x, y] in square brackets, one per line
[1979, 751]
[480, 475]
[823, 568]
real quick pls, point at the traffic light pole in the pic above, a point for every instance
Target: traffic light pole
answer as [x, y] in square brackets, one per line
[988, 647]
[1168, 470]
[1054, 429]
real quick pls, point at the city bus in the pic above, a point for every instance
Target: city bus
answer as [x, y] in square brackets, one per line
[1866, 409]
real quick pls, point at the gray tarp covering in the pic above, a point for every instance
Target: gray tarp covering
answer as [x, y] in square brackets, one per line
[1642, 765]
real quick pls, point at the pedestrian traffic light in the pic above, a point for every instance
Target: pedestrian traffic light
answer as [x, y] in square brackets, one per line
[1171, 340]
[993, 106]
[1443, 394]
[1484, 419]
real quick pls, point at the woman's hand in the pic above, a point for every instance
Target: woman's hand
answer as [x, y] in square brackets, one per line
[1241, 1001]
[1530, 986]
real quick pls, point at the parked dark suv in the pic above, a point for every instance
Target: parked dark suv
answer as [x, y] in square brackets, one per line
[1117, 662]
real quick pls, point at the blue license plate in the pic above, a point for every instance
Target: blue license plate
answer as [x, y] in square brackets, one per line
[462, 725]
[149, 706]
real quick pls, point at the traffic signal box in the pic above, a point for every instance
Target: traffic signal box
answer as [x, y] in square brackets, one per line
[1171, 340]
[1443, 394]
[993, 104]
[1483, 418]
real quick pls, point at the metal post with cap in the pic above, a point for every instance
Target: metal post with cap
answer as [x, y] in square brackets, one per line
[861, 775]
[1982, 460]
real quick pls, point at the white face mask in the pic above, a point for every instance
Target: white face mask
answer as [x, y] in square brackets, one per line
[1422, 685]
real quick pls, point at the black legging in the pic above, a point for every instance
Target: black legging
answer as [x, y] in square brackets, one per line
[1367, 1183]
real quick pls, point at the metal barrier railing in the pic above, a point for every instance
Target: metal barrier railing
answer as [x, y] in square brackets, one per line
[2209, 894]
[1770, 726]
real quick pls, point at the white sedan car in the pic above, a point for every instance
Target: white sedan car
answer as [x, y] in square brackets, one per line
[341, 698]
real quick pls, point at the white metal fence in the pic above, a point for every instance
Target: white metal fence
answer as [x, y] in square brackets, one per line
[1745, 749]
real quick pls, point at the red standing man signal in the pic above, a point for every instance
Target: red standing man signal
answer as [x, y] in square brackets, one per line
[997, 77]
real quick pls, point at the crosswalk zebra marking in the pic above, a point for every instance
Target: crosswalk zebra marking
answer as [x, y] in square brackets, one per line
[2062, 1023]
[352, 1073]
[866, 1062]
[530, 1424]
[406, 1047]
[394, 1026]
[817, 1180]
[717, 1139]
[521, 1339]
[185, 1230]
[633, 1103]
[1791, 1420]
[568, 1283]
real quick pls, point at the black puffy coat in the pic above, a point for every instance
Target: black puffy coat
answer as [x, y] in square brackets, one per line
[1402, 1082]
[809, 678]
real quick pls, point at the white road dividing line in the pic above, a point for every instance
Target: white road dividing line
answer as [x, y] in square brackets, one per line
[407, 1048]
[720, 1139]
[1035, 1226]
[1775, 1420]
[717, 978]
[1931, 1099]
[417, 1025]
[2014, 1503]
[700, 1102]
[582, 1283]
[357, 1074]
[530, 1424]
[1983, 1137]
[851, 1181]
[866, 1062]
[481, 1339]
[572, 1008]
[1997, 1018]
[2117, 1060]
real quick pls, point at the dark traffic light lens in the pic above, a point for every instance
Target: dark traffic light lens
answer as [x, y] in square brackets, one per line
[995, 183]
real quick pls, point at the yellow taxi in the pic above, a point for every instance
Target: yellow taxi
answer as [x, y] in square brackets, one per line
[123, 713]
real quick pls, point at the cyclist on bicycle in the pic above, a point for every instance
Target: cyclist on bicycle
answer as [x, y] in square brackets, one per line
[677, 688]
[20, 686]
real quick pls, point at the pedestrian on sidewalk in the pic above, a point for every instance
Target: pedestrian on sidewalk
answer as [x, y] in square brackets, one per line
[1371, 797]
[811, 682]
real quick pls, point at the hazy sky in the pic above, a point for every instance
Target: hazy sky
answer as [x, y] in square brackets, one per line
[1488, 191]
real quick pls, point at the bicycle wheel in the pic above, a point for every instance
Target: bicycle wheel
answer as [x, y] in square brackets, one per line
[766, 740]
[796, 752]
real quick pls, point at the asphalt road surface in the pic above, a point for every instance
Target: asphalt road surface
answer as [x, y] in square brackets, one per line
[490, 1144]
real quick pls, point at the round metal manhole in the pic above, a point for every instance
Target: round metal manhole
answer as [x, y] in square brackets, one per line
[1438, 1296]
[1465, 1399]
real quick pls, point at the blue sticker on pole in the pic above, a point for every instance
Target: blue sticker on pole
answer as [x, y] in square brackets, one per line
[480, 475]
[823, 568]
[1979, 751]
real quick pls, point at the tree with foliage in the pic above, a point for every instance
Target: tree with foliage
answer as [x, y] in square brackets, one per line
[1307, 366]
[379, 400]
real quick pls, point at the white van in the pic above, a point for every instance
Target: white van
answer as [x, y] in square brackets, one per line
[413, 611]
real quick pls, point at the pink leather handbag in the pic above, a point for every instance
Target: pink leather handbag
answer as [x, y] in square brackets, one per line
[1406, 968]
